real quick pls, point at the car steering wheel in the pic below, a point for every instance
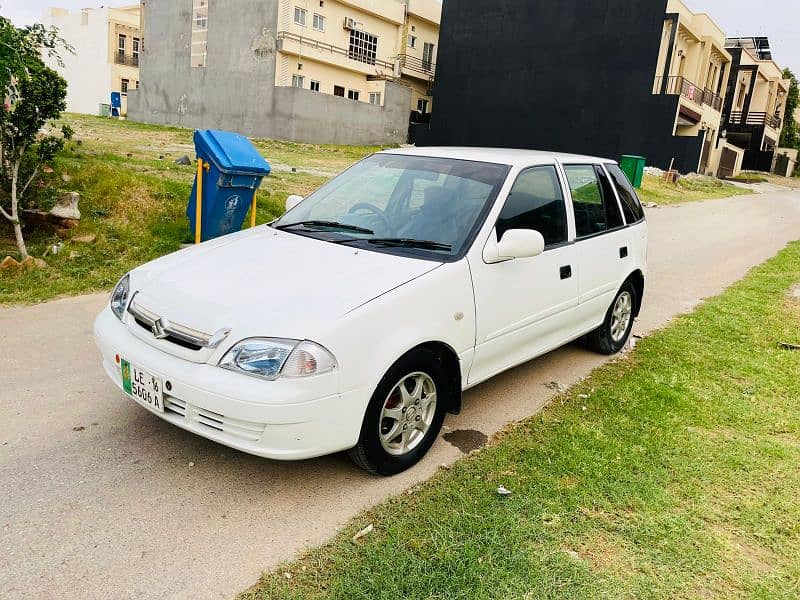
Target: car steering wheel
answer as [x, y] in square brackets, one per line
[374, 210]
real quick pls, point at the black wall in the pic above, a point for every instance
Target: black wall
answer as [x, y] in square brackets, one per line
[561, 75]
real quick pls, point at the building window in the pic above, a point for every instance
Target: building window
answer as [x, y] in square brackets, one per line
[121, 43]
[199, 33]
[298, 81]
[300, 16]
[422, 106]
[375, 98]
[314, 86]
[338, 91]
[137, 84]
[427, 56]
[363, 47]
[200, 14]
[319, 22]
[412, 41]
[136, 47]
[124, 86]
[740, 99]
[353, 94]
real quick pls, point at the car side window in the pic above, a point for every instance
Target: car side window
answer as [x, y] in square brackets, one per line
[595, 206]
[536, 202]
[631, 205]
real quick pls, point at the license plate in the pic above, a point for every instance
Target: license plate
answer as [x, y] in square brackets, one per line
[142, 386]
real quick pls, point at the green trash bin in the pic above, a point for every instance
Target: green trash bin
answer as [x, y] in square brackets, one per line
[633, 167]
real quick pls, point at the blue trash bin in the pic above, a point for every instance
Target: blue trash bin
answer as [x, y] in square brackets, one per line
[235, 170]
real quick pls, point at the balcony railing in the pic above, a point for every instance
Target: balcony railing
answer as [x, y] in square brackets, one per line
[131, 60]
[325, 47]
[680, 86]
[756, 119]
[425, 68]
[713, 100]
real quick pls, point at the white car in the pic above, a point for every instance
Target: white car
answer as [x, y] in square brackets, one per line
[355, 321]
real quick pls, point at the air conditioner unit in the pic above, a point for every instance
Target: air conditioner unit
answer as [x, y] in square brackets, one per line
[350, 23]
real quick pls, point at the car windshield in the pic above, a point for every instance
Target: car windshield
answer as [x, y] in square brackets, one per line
[411, 205]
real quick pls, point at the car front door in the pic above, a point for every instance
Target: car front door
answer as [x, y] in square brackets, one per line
[524, 307]
[601, 240]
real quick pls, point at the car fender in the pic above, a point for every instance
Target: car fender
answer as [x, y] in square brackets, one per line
[438, 307]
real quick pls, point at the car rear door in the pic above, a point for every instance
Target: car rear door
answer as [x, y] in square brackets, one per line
[601, 241]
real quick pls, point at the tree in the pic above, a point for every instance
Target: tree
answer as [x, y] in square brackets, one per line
[790, 136]
[32, 94]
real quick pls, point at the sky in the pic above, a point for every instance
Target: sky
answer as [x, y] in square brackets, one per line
[24, 12]
[777, 19]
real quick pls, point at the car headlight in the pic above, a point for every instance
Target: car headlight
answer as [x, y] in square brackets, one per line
[119, 297]
[270, 358]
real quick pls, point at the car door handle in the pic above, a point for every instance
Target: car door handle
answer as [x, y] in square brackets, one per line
[623, 252]
[566, 272]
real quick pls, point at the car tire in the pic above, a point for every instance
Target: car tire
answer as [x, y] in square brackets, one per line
[399, 428]
[613, 334]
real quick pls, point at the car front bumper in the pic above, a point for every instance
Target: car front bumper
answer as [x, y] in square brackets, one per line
[287, 419]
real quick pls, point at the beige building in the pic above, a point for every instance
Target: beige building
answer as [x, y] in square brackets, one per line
[107, 43]
[351, 48]
[757, 101]
[419, 46]
[694, 65]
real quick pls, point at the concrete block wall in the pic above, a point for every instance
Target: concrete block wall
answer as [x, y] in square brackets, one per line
[236, 91]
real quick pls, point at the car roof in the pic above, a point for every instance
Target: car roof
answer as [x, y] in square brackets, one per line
[505, 156]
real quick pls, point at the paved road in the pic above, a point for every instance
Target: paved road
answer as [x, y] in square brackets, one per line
[99, 499]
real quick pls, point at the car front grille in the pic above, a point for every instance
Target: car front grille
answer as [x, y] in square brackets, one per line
[180, 335]
[246, 431]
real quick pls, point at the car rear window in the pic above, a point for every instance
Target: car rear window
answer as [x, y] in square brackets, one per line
[596, 211]
[631, 206]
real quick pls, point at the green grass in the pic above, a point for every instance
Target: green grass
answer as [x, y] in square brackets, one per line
[687, 189]
[134, 202]
[677, 477]
[750, 176]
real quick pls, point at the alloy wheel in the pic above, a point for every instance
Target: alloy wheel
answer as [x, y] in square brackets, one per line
[407, 414]
[621, 316]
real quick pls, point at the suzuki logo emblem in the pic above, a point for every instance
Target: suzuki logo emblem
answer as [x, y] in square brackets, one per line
[159, 329]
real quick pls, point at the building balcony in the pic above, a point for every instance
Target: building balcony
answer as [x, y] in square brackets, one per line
[130, 60]
[416, 67]
[680, 86]
[755, 119]
[298, 45]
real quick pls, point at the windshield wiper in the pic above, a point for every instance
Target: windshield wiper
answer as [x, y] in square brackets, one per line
[410, 243]
[327, 225]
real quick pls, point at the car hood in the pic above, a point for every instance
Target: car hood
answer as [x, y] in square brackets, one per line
[268, 282]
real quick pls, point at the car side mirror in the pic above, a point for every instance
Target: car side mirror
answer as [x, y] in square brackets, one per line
[515, 243]
[293, 201]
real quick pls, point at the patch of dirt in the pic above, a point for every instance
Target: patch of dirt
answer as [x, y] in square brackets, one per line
[568, 482]
[721, 433]
[790, 182]
[604, 554]
[757, 559]
[787, 439]
[466, 440]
